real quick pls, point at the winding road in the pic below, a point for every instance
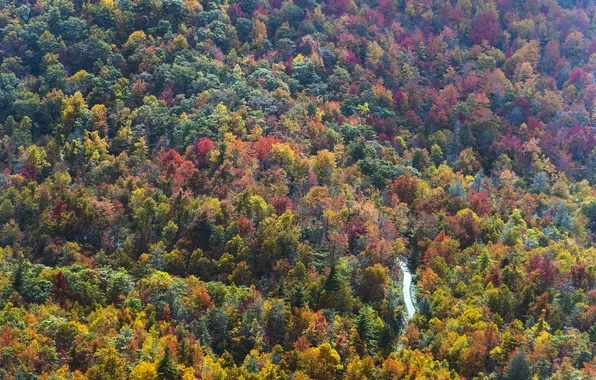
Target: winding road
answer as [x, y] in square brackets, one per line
[410, 309]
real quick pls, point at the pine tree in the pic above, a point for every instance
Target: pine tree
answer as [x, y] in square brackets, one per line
[332, 283]
[540, 183]
[184, 350]
[202, 332]
[454, 145]
[166, 368]
[369, 325]
[17, 282]
[298, 296]
[519, 367]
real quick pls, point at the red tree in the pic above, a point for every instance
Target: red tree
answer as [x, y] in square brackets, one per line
[485, 27]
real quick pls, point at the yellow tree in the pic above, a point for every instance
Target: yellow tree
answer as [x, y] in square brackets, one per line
[322, 362]
[323, 165]
[99, 115]
[144, 371]
[74, 114]
[96, 148]
[109, 365]
[374, 52]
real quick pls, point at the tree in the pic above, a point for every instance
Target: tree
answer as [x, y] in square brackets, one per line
[144, 371]
[304, 71]
[336, 293]
[407, 189]
[8, 93]
[369, 326]
[373, 54]
[359, 368]
[436, 154]
[109, 366]
[374, 283]
[511, 233]
[60, 287]
[519, 367]
[241, 276]
[322, 362]
[467, 162]
[465, 226]
[35, 156]
[332, 282]
[540, 182]
[248, 6]
[280, 240]
[75, 114]
[22, 133]
[144, 216]
[166, 367]
[420, 159]
[485, 26]
[276, 321]
[501, 301]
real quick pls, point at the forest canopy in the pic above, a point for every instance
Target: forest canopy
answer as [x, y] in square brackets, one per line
[218, 189]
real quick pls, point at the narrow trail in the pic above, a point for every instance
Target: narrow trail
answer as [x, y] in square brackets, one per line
[410, 309]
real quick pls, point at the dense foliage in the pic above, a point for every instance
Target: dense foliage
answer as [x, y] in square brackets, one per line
[217, 189]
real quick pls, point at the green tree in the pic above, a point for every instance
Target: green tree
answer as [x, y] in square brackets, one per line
[369, 326]
[519, 367]
[22, 133]
[166, 368]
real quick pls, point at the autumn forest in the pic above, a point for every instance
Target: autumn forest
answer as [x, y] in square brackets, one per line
[297, 189]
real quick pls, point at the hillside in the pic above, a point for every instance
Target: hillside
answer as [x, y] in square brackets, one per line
[226, 190]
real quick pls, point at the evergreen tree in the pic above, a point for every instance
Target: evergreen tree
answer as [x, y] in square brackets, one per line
[17, 282]
[166, 368]
[519, 367]
[540, 183]
[21, 135]
[298, 296]
[369, 325]
[332, 283]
